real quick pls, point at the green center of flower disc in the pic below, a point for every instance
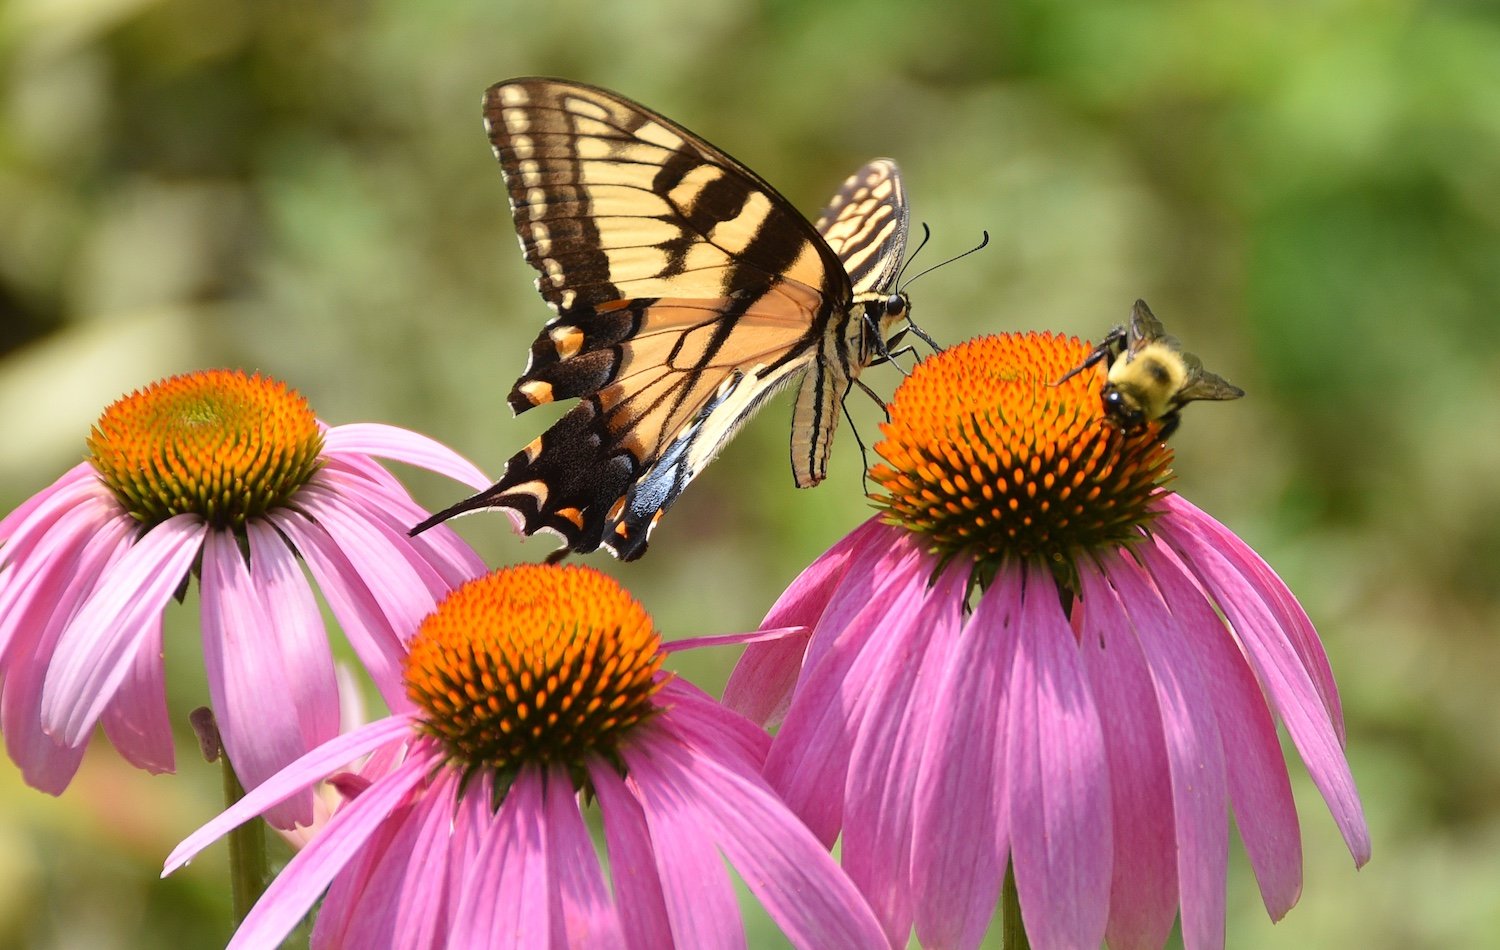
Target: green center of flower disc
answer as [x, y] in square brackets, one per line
[988, 458]
[534, 664]
[216, 443]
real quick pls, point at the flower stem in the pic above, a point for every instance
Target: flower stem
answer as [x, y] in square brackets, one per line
[1013, 931]
[247, 851]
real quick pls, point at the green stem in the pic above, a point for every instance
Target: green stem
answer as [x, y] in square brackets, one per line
[1013, 931]
[248, 867]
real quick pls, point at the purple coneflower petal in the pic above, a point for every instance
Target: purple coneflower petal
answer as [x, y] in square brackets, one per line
[247, 679]
[1259, 787]
[509, 901]
[384, 500]
[700, 901]
[36, 515]
[961, 840]
[137, 721]
[1058, 781]
[708, 725]
[1194, 751]
[632, 862]
[398, 902]
[684, 794]
[96, 649]
[358, 611]
[61, 568]
[1282, 674]
[55, 583]
[898, 672]
[809, 763]
[311, 768]
[308, 875]
[471, 826]
[761, 685]
[1273, 590]
[1143, 893]
[587, 914]
[296, 634]
[403, 445]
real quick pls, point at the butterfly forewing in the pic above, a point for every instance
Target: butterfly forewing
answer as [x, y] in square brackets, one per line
[613, 202]
[686, 292]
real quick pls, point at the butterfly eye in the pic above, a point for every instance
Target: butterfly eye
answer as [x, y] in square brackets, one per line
[895, 305]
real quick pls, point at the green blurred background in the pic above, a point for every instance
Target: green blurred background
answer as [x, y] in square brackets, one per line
[1309, 194]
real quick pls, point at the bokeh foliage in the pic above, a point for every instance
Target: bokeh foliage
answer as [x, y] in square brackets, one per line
[1309, 194]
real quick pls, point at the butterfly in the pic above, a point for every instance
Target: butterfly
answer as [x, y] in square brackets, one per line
[686, 291]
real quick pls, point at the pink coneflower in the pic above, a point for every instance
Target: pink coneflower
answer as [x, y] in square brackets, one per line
[1039, 657]
[532, 686]
[230, 478]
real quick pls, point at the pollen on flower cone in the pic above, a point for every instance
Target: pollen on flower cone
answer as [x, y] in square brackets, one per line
[534, 663]
[216, 443]
[988, 457]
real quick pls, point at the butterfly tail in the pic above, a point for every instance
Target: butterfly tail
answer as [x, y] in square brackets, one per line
[489, 498]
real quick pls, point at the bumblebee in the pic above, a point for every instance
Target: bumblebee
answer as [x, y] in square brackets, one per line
[1150, 377]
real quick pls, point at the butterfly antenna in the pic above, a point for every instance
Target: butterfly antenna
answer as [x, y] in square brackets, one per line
[983, 243]
[926, 236]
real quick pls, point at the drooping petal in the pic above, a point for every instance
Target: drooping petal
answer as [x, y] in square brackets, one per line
[1259, 787]
[898, 673]
[1282, 675]
[34, 518]
[809, 761]
[97, 647]
[510, 901]
[400, 903]
[52, 582]
[794, 878]
[404, 582]
[403, 445]
[137, 722]
[260, 729]
[588, 917]
[711, 727]
[369, 631]
[308, 874]
[632, 863]
[371, 491]
[1194, 751]
[760, 687]
[1058, 796]
[313, 767]
[961, 841]
[45, 764]
[296, 634]
[1272, 589]
[699, 898]
[363, 899]
[1143, 893]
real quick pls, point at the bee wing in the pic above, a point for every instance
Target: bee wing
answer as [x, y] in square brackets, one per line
[1144, 328]
[1201, 384]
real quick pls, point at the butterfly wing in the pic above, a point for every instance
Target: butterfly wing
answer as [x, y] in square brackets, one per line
[865, 224]
[686, 289]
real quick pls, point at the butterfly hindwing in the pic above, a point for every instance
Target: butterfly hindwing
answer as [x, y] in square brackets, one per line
[865, 224]
[686, 292]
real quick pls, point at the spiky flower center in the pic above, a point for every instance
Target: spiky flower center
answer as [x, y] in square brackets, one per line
[216, 443]
[534, 664]
[988, 458]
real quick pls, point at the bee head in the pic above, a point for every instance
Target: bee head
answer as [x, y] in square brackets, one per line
[1122, 408]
